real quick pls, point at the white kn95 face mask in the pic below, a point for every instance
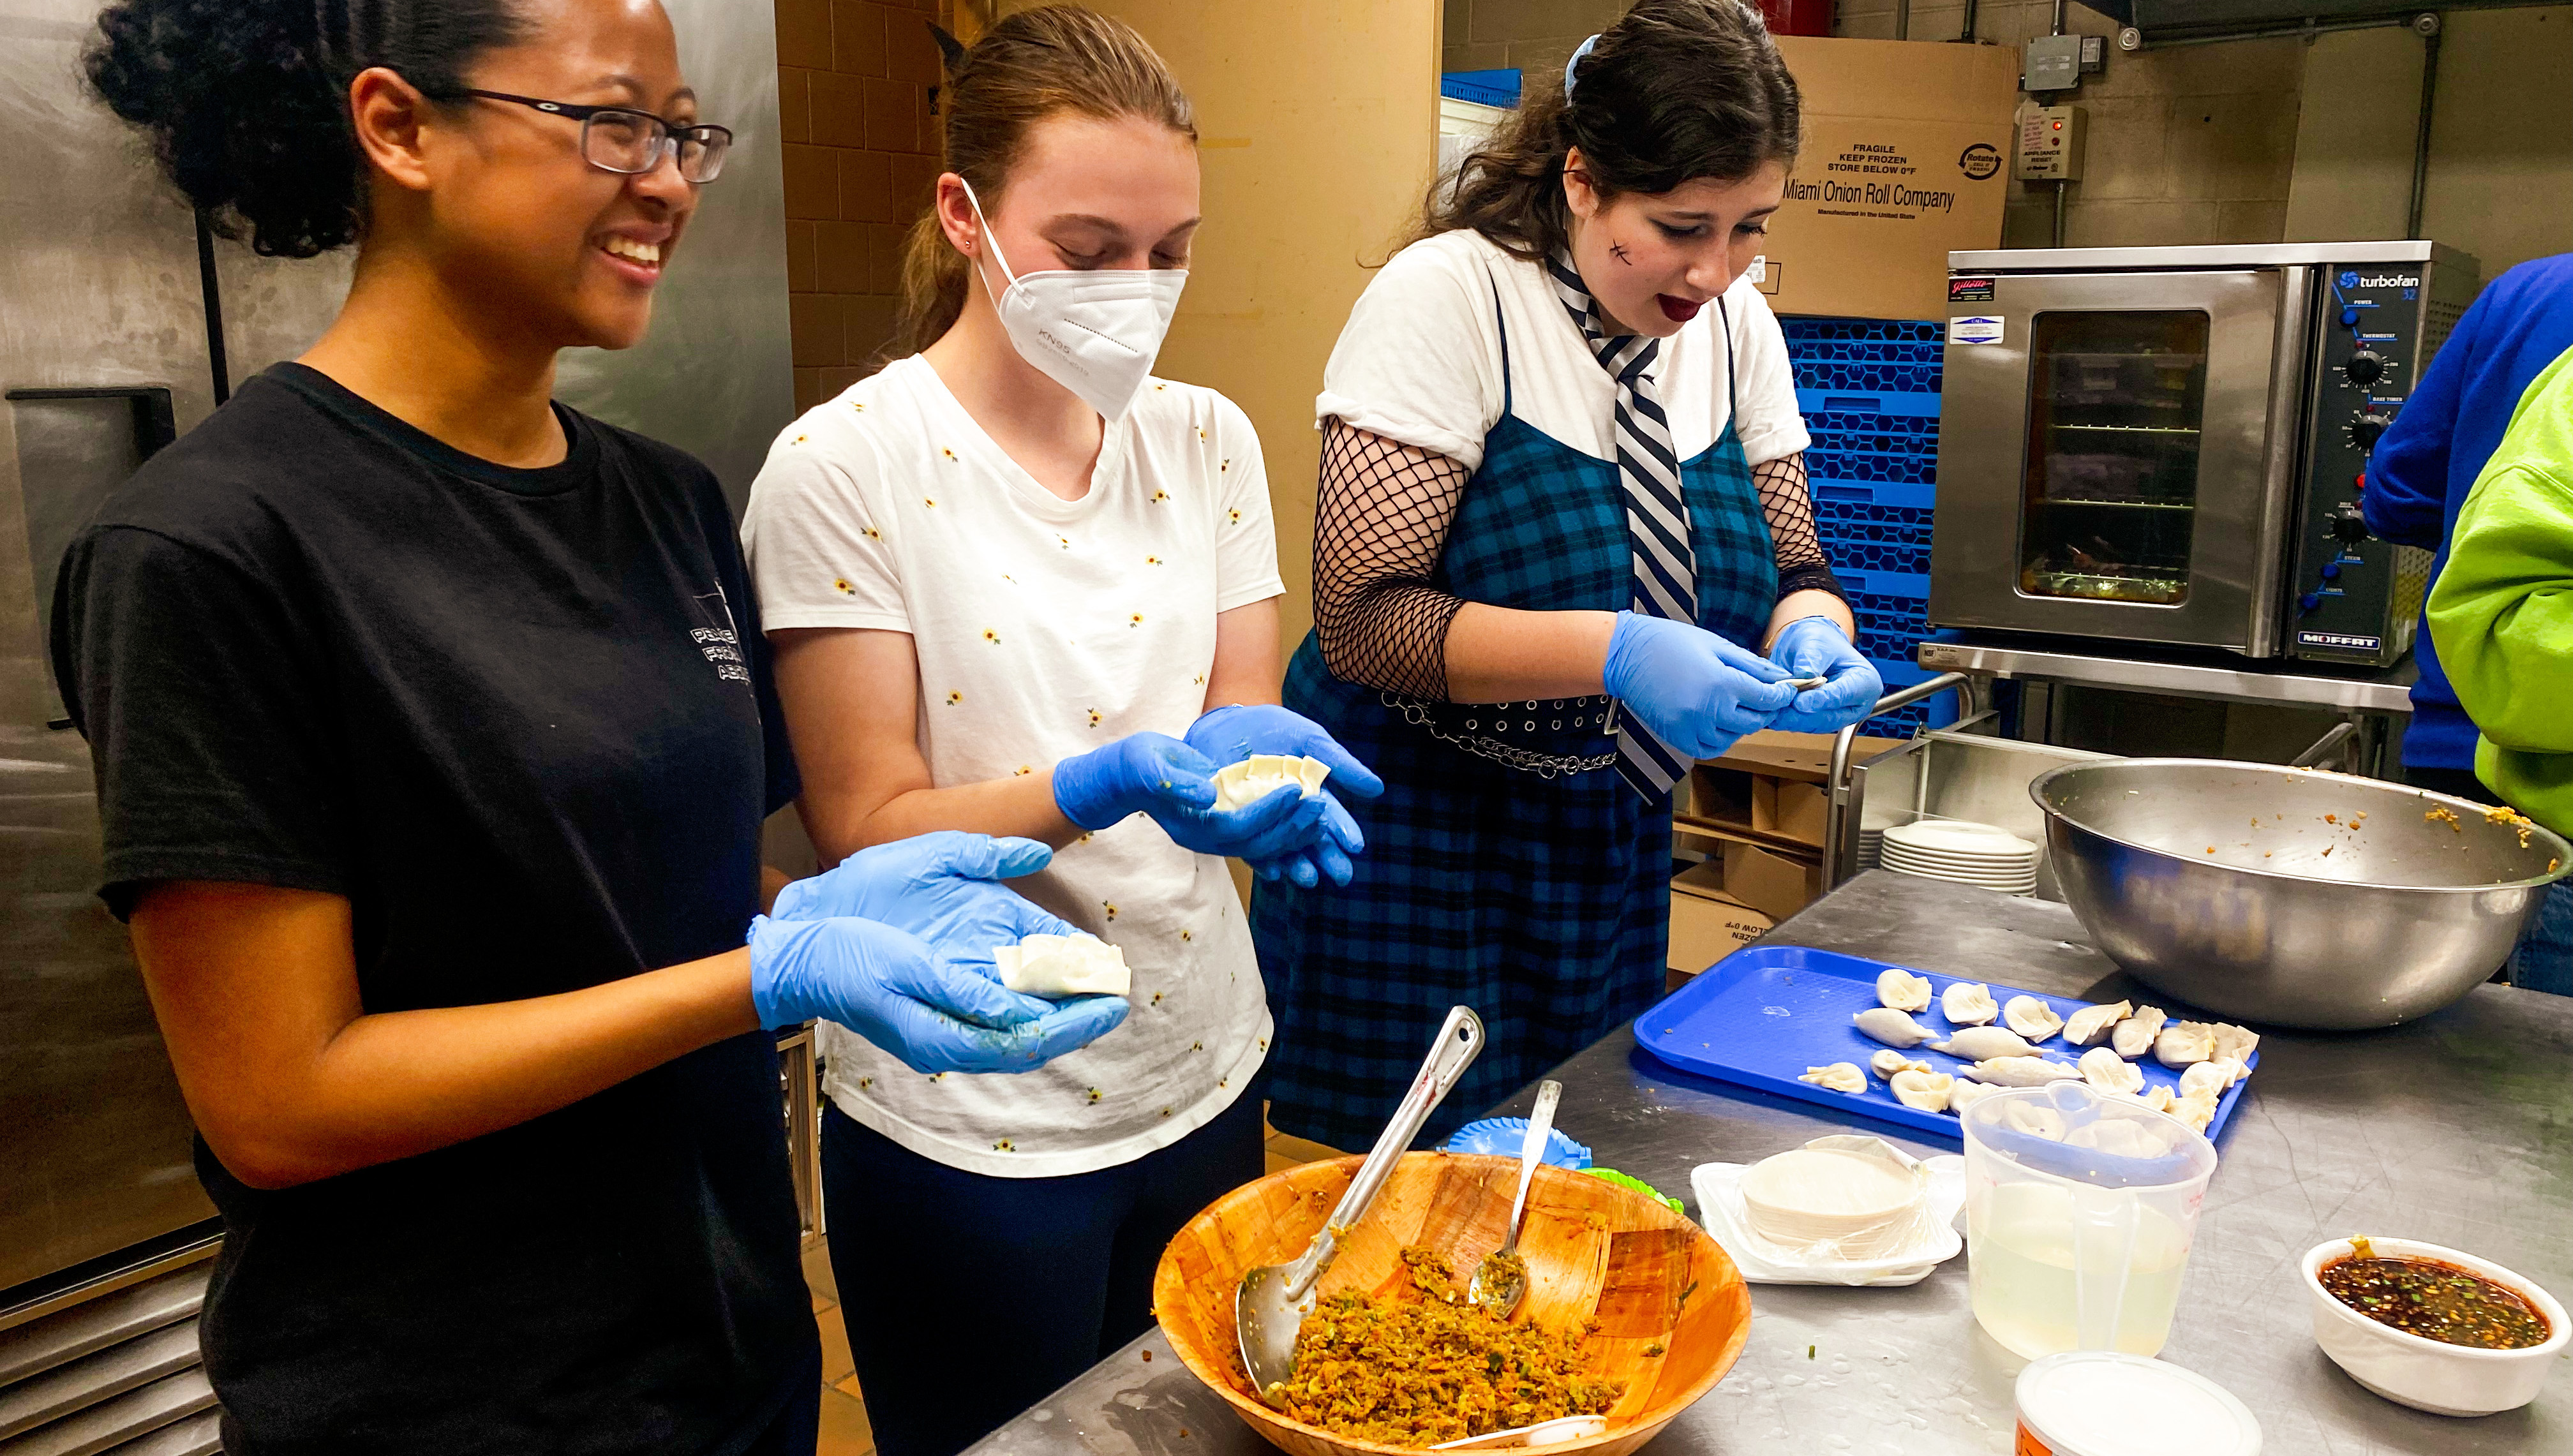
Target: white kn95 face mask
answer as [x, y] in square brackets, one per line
[1093, 331]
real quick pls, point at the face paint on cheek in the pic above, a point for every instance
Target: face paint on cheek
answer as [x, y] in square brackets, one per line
[1618, 250]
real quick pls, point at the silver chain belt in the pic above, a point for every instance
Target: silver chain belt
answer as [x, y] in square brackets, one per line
[1510, 755]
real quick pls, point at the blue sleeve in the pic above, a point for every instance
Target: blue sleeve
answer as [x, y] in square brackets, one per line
[2408, 474]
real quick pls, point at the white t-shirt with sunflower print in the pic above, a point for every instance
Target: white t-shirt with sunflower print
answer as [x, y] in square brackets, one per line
[1045, 628]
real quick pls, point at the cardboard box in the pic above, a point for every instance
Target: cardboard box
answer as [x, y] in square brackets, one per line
[1771, 883]
[1706, 925]
[1906, 156]
[1789, 808]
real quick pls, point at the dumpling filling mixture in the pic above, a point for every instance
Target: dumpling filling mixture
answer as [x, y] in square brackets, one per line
[1415, 1373]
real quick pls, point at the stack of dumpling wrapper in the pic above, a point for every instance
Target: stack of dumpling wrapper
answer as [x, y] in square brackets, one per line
[1060, 966]
[1847, 1197]
[1241, 785]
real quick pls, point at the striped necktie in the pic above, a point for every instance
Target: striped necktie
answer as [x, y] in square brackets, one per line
[1657, 532]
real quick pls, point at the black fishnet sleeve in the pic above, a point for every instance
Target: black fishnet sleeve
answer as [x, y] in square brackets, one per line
[1787, 501]
[1380, 524]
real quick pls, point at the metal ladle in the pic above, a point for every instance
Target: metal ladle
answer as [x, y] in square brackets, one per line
[1506, 1284]
[1273, 1299]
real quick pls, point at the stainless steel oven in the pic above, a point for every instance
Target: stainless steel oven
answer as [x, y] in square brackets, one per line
[2167, 444]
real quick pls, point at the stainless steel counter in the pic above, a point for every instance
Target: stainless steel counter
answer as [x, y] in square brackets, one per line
[2457, 1128]
[2216, 676]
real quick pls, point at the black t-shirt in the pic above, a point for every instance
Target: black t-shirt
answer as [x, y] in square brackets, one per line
[524, 721]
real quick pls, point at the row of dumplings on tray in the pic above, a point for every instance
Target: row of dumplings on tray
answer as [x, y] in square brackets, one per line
[2208, 1056]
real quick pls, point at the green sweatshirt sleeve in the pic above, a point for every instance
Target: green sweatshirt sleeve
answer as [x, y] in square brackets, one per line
[2502, 613]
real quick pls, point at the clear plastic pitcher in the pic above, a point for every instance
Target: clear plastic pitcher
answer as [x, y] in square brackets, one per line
[2078, 1211]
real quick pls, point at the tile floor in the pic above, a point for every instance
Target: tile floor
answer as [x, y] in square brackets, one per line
[844, 1410]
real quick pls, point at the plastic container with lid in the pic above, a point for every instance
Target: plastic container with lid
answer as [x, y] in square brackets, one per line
[2100, 1403]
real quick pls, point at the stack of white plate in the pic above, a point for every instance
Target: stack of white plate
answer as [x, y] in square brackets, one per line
[1965, 852]
[1871, 849]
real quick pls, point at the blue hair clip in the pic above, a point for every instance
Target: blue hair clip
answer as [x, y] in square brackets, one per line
[1578, 52]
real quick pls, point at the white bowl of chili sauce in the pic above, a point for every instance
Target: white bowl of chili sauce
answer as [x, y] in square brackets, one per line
[2490, 1372]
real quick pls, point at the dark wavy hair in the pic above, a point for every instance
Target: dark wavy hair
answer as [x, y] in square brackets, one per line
[247, 101]
[1676, 90]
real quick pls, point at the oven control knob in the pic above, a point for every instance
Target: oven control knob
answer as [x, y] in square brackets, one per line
[2365, 428]
[2364, 368]
[2349, 527]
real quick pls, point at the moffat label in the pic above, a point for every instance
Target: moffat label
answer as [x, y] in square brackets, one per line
[1846, 190]
[2339, 639]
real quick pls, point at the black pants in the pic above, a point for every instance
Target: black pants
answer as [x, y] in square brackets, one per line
[969, 1298]
[2455, 783]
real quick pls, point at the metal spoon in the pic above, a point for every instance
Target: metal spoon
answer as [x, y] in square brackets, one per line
[1273, 1299]
[1507, 1286]
[1543, 1433]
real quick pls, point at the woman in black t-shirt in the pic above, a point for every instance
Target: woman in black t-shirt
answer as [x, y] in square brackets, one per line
[434, 731]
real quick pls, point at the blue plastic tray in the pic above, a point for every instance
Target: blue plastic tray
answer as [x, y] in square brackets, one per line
[1761, 1015]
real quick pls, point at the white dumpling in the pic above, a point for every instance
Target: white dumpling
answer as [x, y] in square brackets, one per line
[2035, 1118]
[1963, 1093]
[2211, 1076]
[1981, 1044]
[2091, 1023]
[2118, 1137]
[1902, 991]
[2184, 1044]
[1968, 1004]
[2031, 1018]
[2234, 1042]
[1055, 966]
[2197, 1111]
[2134, 1037]
[1240, 785]
[2019, 1072]
[2103, 1068]
[2157, 1097]
[1840, 1076]
[1889, 1062]
[1893, 1028]
[1927, 1090]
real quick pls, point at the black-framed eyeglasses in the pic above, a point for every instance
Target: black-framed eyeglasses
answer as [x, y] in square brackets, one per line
[623, 140]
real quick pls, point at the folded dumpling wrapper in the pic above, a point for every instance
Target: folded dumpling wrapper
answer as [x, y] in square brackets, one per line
[1241, 785]
[1055, 966]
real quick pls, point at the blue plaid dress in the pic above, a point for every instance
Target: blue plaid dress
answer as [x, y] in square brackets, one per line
[1543, 903]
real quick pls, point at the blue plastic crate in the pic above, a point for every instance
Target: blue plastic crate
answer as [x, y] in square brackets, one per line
[1818, 329]
[1889, 626]
[1871, 401]
[1483, 88]
[1869, 538]
[1870, 465]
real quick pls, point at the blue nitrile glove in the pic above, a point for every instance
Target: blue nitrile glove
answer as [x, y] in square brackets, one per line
[1231, 734]
[1156, 773]
[1138, 774]
[939, 887]
[1816, 647]
[889, 987]
[1695, 690]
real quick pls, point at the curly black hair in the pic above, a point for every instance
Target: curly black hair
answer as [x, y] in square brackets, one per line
[245, 101]
[1674, 91]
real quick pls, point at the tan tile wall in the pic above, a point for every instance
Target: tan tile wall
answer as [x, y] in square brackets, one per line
[2193, 145]
[1534, 36]
[853, 80]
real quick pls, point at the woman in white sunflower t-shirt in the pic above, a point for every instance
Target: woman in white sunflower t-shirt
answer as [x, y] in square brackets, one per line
[1032, 591]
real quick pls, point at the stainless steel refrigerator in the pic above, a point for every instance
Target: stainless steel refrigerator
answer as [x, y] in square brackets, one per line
[122, 325]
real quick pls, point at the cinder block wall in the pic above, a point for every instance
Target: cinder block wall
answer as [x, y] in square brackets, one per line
[853, 81]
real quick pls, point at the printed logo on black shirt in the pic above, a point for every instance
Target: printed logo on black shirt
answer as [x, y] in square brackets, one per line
[716, 638]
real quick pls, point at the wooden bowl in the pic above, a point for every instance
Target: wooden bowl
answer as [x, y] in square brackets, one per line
[1594, 1252]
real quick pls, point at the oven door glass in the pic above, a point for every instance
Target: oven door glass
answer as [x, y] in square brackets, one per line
[2117, 409]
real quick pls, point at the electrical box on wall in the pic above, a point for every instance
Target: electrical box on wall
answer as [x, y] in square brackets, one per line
[2050, 144]
[2050, 63]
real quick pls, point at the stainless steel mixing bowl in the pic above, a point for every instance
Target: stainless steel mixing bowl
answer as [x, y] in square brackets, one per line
[2293, 897]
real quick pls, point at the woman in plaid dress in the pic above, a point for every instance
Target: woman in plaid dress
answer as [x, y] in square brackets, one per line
[1563, 515]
